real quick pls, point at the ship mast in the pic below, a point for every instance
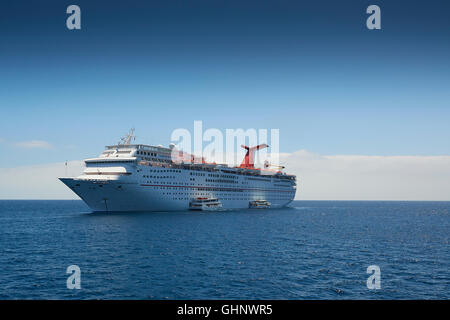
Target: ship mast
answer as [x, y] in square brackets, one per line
[125, 141]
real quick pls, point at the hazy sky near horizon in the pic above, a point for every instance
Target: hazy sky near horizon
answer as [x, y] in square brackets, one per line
[311, 69]
[319, 177]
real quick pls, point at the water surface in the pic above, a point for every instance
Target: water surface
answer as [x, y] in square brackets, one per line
[314, 250]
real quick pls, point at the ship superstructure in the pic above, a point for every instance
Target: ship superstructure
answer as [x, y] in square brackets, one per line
[137, 177]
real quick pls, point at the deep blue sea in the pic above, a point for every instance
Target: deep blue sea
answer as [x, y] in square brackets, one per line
[314, 250]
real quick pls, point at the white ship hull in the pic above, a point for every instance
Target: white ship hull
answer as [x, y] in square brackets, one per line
[110, 196]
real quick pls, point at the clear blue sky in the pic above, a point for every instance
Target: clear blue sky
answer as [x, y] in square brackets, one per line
[313, 70]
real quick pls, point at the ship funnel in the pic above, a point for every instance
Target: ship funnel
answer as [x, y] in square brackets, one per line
[248, 162]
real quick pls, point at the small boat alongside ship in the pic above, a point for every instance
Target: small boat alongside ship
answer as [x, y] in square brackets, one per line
[205, 204]
[259, 204]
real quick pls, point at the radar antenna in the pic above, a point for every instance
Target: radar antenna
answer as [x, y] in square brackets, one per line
[128, 138]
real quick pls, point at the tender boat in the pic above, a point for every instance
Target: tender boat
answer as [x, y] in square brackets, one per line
[205, 204]
[259, 204]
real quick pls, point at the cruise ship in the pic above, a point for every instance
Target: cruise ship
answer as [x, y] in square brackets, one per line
[137, 177]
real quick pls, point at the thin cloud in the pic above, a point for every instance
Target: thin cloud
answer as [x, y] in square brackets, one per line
[38, 181]
[359, 177]
[34, 144]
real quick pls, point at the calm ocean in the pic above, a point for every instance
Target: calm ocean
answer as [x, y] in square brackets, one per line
[314, 250]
